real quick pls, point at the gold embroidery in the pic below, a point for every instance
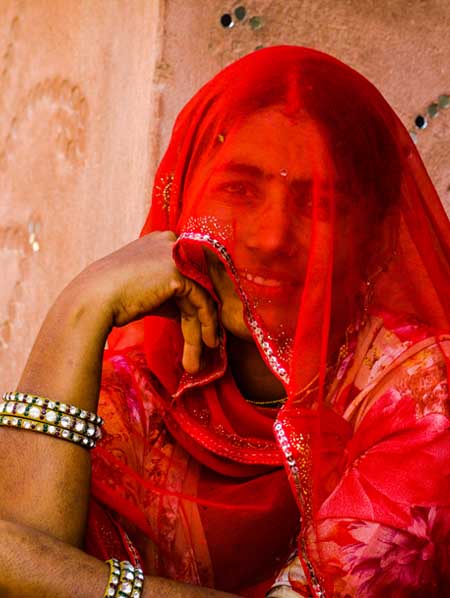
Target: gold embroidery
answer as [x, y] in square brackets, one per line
[372, 357]
[426, 382]
[163, 190]
[302, 446]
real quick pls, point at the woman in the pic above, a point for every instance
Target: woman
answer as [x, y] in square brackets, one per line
[276, 407]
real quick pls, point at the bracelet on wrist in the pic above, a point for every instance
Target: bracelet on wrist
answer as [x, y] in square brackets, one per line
[125, 580]
[53, 418]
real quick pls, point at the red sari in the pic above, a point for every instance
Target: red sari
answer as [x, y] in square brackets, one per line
[344, 491]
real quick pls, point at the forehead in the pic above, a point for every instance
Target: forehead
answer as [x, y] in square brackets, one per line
[272, 141]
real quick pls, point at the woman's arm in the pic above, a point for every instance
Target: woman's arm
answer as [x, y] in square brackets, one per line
[45, 481]
[36, 565]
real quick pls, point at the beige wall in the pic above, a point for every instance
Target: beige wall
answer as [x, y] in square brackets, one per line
[76, 140]
[89, 90]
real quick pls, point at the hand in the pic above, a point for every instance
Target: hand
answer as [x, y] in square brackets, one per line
[141, 279]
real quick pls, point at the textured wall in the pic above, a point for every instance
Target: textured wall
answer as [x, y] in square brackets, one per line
[89, 90]
[77, 106]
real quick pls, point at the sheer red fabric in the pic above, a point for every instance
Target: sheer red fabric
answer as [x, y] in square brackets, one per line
[291, 169]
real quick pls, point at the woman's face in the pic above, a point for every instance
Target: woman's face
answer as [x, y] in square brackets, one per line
[260, 187]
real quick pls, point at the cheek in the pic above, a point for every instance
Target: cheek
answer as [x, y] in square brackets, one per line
[209, 204]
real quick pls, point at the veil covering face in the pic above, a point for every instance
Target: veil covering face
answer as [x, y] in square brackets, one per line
[293, 174]
[354, 220]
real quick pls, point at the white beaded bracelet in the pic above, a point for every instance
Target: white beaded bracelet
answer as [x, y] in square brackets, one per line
[55, 405]
[125, 581]
[53, 418]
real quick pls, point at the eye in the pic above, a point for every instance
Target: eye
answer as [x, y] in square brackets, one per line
[238, 189]
[235, 188]
[304, 202]
[303, 198]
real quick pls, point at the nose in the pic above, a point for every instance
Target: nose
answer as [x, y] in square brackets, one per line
[270, 229]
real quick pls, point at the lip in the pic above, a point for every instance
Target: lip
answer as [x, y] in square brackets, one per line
[262, 279]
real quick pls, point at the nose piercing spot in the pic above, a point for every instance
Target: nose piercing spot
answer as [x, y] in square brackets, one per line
[283, 172]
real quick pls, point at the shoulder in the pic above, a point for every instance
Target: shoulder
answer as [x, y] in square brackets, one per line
[404, 361]
[390, 337]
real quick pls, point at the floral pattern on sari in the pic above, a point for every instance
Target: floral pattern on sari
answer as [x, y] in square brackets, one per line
[373, 560]
[385, 528]
[140, 474]
[384, 521]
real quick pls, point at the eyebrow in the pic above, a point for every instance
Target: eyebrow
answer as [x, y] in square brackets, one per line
[242, 168]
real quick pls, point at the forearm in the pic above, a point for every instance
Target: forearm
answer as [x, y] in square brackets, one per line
[65, 361]
[34, 564]
[38, 471]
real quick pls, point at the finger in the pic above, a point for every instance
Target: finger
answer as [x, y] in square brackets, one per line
[191, 330]
[206, 313]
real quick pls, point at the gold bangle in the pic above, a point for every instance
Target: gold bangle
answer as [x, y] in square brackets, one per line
[49, 415]
[60, 420]
[138, 583]
[22, 397]
[48, 429]
[113, 581]
[125, 580]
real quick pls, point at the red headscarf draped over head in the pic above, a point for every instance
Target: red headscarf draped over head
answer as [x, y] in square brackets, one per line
[293, 170]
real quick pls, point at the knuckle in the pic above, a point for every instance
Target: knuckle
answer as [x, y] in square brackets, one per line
[176, 283]
[167, 234]
[180, 288]
[186, 316]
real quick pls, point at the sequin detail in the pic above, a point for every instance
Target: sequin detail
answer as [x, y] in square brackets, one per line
[210, 225]
[163, 191]
[300, 467]
[263, 341]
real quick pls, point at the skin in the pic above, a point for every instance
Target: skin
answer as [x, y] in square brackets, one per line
[42, 531]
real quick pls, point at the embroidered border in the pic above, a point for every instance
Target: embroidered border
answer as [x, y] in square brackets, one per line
[301, 475]
[258, 332]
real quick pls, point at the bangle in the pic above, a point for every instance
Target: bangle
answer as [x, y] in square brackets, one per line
[53, 418]
[55, 405]
[131, 581]
[125, 581]
[56, 432]
[48, 412]
[113, 581]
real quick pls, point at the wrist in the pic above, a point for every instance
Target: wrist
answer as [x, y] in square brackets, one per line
[84, 305]
[65, 361]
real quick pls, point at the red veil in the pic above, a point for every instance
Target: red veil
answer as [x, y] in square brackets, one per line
[350, 239]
